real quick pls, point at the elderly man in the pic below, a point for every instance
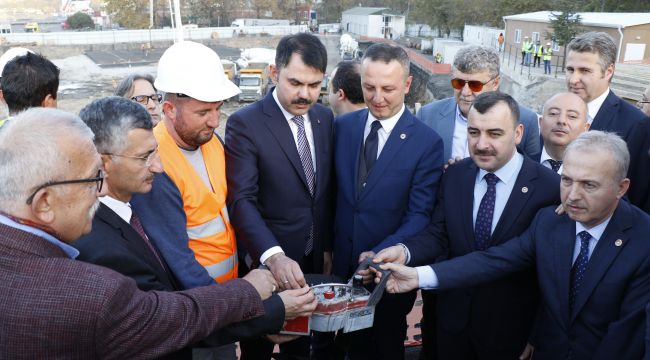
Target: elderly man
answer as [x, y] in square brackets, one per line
[593, 262]
[495, 194]
[564, 118]
[475, 71]
[344, 92]
[589, 70]
[52, 306]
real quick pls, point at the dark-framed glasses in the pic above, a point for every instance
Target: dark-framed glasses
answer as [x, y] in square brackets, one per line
[99, 179]
[642, 102]
[148, 159]
[144, 99]
[474, 85]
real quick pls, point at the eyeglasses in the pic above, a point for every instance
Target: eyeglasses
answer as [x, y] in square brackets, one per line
[474, 85]
[99, 179]
[144, 99]
[147, 159]
[640, 103]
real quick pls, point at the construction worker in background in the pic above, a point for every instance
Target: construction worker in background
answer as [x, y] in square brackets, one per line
[438, 58]
[526, 50]
[548, 54]
[501, 40]
[538, 51]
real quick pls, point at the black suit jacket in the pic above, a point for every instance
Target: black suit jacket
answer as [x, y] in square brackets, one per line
[113, 243]
[268, 199]
[504, 309]
[619, 116]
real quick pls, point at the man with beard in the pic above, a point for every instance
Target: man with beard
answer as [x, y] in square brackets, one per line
[279, 157]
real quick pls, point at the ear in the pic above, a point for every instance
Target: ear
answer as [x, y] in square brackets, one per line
[497, 82]
[49, 101]
[587, 126]
[409, 80]
[169, 110]
[519, 133]
[340, 95]
[42, 206]
[609, 72]
[622, 188]
[273, 70]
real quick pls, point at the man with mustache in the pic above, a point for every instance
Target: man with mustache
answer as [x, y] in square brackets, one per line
[280, 186]
[564, 119]
[484, 200]
[592, 263]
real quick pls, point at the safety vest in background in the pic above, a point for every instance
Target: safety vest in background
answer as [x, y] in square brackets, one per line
[540, 51]
[527, 47]
[212, 238]
[548, 53]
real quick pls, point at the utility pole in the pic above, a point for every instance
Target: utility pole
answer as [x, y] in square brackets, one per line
[150, 14]
[179, 25]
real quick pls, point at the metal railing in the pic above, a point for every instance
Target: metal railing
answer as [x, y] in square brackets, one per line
[511, 57]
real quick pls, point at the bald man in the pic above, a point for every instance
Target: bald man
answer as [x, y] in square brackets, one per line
[563, 120]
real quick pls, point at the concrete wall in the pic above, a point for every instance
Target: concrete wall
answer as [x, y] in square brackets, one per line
[482, 35]
[639, 34]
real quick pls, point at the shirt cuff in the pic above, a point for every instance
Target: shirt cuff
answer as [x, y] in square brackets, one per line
[427, 278]
[270, 252]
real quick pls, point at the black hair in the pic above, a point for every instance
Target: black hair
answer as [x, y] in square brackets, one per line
[348, 78]
[311, 50]
[488, 100]
[27, 80]
[387, 53]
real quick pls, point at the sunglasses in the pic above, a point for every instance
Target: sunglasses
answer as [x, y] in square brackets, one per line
[474, 85]
[144, 99]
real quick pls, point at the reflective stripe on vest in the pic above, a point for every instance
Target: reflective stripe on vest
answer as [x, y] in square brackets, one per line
[223, 268]
[210, 228]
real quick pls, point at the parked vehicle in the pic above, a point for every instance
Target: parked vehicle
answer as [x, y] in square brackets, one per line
[259, 22]
[253, 82]
[32, 27]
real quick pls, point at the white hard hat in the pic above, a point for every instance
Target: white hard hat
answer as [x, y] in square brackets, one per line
[195, 70]
[10, 55]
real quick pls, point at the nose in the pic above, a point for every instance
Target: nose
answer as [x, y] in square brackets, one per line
[466, 90]
[573, 77]
[303, 92]
[156, 165]
[213, 120]
[482, 142]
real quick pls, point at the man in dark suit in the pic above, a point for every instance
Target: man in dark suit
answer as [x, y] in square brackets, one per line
[388, 164]
[344, 90]
[593, 263]
[475, 71]
[56, 307]
[484, 201]
[563, 119]
[280, 178]
[590, 67]
[118, 241]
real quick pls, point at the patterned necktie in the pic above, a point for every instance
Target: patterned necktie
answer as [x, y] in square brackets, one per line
[579, 267]
[555, 164]
[372, 145]
[308, 168]
[483, 225]
[137, 225]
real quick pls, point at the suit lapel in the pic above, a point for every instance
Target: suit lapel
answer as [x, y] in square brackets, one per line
[397, 138]
[278, 126]
[320, 150]
[564, 235]
[522, 191]
[447, 123]
[605, 117]
[466, 196]
[604, 254]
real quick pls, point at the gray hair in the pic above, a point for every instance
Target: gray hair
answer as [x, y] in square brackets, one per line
[125, 87]
[609, 142]
[111, 118]
[476, 58]
[30, 151]
[595, 42]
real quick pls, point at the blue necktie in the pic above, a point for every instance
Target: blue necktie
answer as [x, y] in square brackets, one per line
[372, 145]
[579, 267]
[555, 164]
[483, 225]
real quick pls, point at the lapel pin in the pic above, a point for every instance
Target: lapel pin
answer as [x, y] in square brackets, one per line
[524, 189]
[402, 136]
[618, 242]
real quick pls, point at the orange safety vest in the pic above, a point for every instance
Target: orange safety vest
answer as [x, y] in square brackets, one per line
[212, 238]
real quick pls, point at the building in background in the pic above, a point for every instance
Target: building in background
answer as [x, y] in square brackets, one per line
[375, 22]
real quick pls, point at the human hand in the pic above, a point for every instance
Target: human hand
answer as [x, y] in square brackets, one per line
[528, 352]
[262, 281]
[366, 274]
[286, 271]
[394, 254]
[452, 162]
[327, 263]
[298, 302]
[559, 210]
[402, 278]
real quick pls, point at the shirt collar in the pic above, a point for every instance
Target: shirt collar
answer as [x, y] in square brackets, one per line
[122, 209]
[594, 105]
[597, 231]
[459, 115]
[507, 172]
[545, 156]
[287, 115]
[67, 249]
[387, 124]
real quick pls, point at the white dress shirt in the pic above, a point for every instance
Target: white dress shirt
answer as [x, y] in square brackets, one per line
[544, 160]
[310, 139]
[594, 105]
[122, 209]
[507, 175]
[387, 126]
[459, 146]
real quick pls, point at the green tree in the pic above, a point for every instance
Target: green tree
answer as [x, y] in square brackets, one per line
[131, 14]
[80, 20]
[565, 24]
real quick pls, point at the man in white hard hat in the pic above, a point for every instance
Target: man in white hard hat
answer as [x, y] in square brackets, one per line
[185, 213]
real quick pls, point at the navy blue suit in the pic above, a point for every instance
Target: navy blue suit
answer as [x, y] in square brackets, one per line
[608, 319]
[397, 201]
[498, 315]
[268, 197]
[618, 116]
